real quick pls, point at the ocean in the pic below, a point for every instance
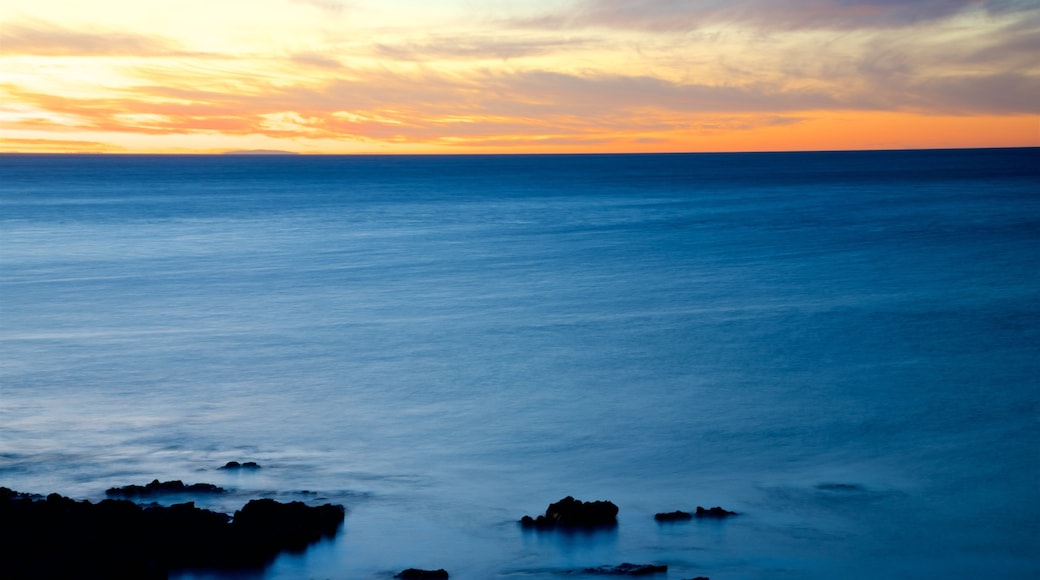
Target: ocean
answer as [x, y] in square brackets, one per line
[842, 347]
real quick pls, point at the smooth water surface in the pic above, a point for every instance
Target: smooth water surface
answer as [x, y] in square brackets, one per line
[842, 347]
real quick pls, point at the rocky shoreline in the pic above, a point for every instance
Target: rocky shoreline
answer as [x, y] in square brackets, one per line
[59, 537]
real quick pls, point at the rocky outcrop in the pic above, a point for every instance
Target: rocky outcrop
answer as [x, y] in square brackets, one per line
[570, 512]
[272, 526]
[236, 465]
[715, 512]
[58, 537]
[417, 574]
[627, 569]
[155, 489]
[676, 516]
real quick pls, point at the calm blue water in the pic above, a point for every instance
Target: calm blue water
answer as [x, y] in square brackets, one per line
[843, 347]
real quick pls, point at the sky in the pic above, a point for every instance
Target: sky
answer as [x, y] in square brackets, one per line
[517, 76]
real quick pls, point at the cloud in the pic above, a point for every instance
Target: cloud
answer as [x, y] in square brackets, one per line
[475, 48]
[536, 93]
[316, 60]
[406, 92]
[490, 105]
[1002, 93]
[12, 145]
[44, 39]
[134, 113]
[1014, 45]
[688, 15]
[423, 106]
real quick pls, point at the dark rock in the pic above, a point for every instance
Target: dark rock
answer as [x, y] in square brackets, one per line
[675, 516]
[715, 512]
[569, 512]
[539, 523]
[272, 526]
[58, 537]
[155, 488]
[627, 569]
[700, 578]
[417, 574]
[237, 465]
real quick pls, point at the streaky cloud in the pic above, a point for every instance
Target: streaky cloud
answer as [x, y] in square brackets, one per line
[475, 48]
[1002, 93]
[45, 39]
[316, 60]
[1014, 45]
[382, 105]
[609, 94]
[21, 145]
[688, 15]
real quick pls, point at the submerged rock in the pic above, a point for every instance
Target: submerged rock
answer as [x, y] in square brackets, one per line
[570, 512]
[58, 537]
[155, 488]
[715, 512]
[417, 574]
[627, 569]
[675, 516]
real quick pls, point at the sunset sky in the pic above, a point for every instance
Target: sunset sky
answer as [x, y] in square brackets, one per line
[464, 76]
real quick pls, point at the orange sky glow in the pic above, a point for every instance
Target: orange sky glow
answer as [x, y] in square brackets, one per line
[505, 76]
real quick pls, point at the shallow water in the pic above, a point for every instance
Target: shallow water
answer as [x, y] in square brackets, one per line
[841, 347]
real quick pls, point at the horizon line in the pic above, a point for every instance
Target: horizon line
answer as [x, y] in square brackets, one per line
[287, 153]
